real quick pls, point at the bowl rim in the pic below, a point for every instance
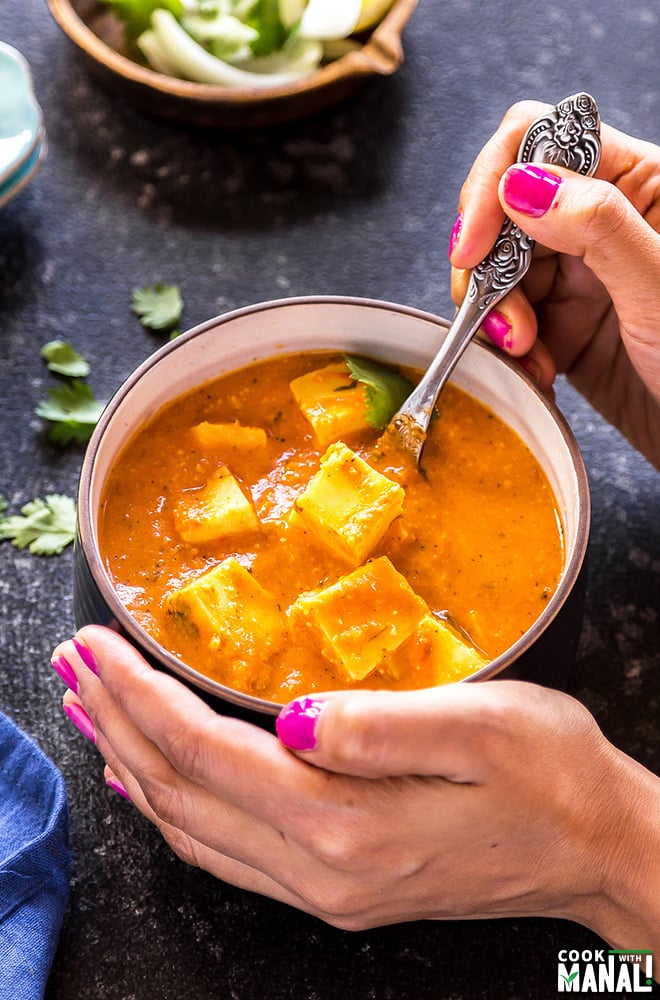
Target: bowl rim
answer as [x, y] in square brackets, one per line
[380, 54]
[86, 534]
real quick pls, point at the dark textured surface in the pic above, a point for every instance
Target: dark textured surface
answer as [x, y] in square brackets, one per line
[359, 200]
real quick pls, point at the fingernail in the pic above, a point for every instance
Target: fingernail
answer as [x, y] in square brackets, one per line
[498, 329]
[64, 671]
[296, 723]
[530, 189]
[81, 720]
[455, 234]
[532, 367]
[86, 655]
[116, 785]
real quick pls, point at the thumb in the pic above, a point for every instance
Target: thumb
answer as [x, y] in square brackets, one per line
[440, 731]
[592, 219]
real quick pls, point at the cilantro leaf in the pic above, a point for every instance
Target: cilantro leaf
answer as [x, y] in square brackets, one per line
[265, 19]
[158, 307]
[45, 526]
[73, 411]
[135, 15]
[64, 360]
[385, 389]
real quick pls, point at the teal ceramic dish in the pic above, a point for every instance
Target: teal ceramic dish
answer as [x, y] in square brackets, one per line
[22, 131]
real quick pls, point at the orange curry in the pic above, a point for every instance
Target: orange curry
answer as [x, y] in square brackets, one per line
[258, 529]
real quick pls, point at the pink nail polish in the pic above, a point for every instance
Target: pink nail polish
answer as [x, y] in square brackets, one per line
[86, 655]
[530, 189]
[116, 785]
[64, 671]
[81, 720]
[498, 329]
[455, 234]
[296, 723]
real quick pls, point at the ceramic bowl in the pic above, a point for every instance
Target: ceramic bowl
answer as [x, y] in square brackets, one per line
[94, 30]
[22, 130]
[391, 333]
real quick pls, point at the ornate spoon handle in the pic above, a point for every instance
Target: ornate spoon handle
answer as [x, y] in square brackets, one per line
[567, 136]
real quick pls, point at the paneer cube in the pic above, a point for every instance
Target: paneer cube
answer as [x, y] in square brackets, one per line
[438, 652]
[333, 403]
[348, 505]
[452, 657]
[216, 510]
[228, 437]
[361, 618]
[235, 616]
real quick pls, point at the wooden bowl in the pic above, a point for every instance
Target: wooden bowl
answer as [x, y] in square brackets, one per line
[99, 36]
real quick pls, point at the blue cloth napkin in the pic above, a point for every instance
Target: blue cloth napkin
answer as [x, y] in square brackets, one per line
[35, 863]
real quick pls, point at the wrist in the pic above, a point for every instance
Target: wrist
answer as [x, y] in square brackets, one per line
[625, 910]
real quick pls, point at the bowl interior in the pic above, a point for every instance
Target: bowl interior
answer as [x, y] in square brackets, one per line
[388, 332]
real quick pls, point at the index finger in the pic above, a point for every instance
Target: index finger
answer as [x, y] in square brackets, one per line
[232, 759]
[479, 208]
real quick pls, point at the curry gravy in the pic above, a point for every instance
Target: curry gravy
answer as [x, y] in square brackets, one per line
[479, 539]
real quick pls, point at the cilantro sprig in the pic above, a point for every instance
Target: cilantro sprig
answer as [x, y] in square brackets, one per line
[45, 527]
[159, 307]
[386, 390]
[71, 408]
[73, 412]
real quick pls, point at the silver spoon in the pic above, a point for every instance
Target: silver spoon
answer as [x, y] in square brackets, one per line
[567, 136]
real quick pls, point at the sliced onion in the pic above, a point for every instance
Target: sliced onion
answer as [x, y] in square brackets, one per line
[329, 19]
[193, 62]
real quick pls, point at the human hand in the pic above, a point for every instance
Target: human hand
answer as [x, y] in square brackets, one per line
[470, 800]
[592, 293]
